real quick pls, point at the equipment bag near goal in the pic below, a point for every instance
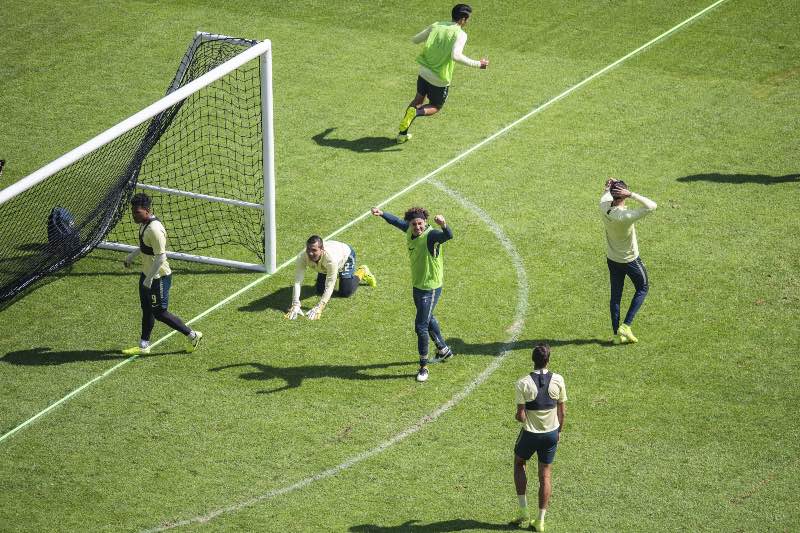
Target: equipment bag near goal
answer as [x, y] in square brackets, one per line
[204, 152]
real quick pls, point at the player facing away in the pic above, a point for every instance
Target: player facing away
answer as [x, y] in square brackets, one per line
[622, 252]
[444, 46]
[540, 398]
[155, 279]
[427, 274]
[332, 260]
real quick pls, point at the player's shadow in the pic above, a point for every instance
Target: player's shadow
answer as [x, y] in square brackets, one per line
[460, 347]
[762, 179]
[293, 376]
[45, 356]
[279, 300]
[362, 145]
[444, 525]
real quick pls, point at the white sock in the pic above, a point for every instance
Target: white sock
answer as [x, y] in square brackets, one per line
[143, 343]
[541, 513]
[523, 501]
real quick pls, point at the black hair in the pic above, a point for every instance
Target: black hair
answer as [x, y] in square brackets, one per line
[541, 355]
[314, 239]
[617, 184]
[461, 11]
[141, 200]
[415, 212]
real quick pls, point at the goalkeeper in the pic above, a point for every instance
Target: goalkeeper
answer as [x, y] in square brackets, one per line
[155, 279]
[332, 260]
[427, 273]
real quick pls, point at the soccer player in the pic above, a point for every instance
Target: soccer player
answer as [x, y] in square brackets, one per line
[155, 279]
[427, 273]
[540, 398]
[331, 260]
[444, 46]
[622, 252]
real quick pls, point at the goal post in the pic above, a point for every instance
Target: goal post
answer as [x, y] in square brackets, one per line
[205, 151]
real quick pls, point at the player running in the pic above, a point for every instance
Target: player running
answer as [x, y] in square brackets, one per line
[427, 274]
[444, 46]
[155, 279]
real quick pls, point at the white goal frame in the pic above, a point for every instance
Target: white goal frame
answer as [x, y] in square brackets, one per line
[263, 51]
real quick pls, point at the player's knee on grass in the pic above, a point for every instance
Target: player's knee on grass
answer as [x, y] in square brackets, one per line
[348, 286]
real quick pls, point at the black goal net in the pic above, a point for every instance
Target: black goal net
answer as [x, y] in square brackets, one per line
[209, 143]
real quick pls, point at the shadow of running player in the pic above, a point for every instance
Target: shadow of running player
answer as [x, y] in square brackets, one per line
[460, 347]
[294, 375]
[762, 179]
[362, 145]
[45, 356]
[444, 525]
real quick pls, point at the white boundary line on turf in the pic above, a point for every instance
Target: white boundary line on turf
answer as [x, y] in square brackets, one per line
[364, 215]
[514, 330]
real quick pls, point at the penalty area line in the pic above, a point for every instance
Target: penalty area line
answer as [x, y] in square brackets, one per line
[449, 163]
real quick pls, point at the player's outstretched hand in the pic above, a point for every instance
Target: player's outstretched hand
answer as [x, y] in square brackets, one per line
[484, 63]
[128, 261]
[294, 311]
[316, 312]
[376, 212]
[439, 219]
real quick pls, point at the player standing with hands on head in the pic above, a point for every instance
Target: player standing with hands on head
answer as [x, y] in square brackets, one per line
[427, 275]
[155, 279]
[444, 46]
[622, 252]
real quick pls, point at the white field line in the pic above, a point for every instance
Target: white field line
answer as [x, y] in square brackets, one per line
[514, 331]
[383, 203]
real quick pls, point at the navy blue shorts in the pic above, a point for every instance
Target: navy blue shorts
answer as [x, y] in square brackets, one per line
[436, 95]
[157, 296]
[542, 444]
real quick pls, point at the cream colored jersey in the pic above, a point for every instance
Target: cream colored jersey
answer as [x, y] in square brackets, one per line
[332, 262]
[526, 391]
[621, 243]
[155, 236]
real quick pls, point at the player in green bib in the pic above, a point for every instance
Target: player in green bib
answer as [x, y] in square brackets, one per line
[427, 276]
[444, 47]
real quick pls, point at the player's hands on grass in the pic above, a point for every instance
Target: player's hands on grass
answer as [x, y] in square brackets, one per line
[439, 219]
[376, 212]
[484, 63]
[294, 311]
[316, 312]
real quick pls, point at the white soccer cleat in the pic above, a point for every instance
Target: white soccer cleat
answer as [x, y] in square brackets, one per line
[422, 375]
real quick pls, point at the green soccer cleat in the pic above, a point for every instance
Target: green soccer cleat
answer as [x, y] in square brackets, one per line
[366, 275]
[537, 525]
[408, 118]
[625, 331]
[194, 343]
[403, 137]
[136, 350]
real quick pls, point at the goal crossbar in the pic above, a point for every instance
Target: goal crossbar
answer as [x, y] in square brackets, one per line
[131, 122]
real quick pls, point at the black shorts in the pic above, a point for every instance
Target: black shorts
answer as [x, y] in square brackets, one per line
[542, 444]
[436, 95]
[157, 296]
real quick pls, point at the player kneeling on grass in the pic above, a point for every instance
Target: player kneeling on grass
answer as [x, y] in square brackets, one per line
[540, 398]
[331, 260]
[427, 273]
[156, 277]
[622, 252]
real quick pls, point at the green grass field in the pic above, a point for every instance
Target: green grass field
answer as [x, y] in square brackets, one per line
[299, 426]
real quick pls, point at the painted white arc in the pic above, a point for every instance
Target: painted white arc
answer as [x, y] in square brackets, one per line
[514, 331]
